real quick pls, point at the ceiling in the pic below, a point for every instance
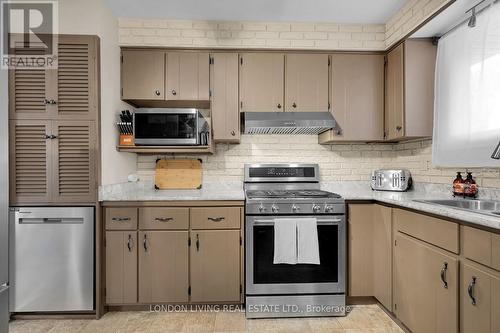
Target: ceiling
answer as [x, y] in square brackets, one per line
[338, 11]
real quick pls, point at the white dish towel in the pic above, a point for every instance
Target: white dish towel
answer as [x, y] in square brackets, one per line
[296, 241]
[285, 241]
[307, 241]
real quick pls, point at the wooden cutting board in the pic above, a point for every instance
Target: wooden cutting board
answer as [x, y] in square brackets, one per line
[178, 174]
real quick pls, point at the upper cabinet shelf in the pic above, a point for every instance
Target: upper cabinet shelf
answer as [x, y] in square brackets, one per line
[159, 78]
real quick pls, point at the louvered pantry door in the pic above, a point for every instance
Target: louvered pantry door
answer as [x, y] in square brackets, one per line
[30, 163]
[77, 77]
[74, 156]
[30, 90]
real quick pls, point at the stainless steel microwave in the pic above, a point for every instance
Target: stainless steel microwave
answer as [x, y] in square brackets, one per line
[164, 127]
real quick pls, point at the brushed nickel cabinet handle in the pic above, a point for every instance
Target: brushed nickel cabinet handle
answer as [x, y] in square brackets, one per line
[217, 219]
[470, 290]
[157, 92]
[197, 243]
[163, 219]
[145, 243]
[130, 243]
[443, 275]
[120, 219]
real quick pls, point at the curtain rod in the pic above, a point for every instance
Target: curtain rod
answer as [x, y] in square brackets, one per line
[467, 19]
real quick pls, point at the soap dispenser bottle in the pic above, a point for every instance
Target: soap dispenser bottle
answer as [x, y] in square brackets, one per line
[458, 185]
[470, 186]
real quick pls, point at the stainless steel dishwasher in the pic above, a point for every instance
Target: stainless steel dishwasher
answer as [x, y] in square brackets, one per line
[51, 259]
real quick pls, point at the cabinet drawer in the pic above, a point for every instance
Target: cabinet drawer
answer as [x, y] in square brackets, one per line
[121, 218]
[215, 218]
[438, 232]
[481, 246]
[164, 218]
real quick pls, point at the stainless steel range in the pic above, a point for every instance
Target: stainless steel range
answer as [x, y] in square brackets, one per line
[290, 193]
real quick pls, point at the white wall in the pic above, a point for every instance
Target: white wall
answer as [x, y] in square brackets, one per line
[93, 17]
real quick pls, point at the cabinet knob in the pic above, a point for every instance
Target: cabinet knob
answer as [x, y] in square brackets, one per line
[294, 105]
[174, 92]
[279, 106]
[399, 128]
[157, 93]
[233, 133]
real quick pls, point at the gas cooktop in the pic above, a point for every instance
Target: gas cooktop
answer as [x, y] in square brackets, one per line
[292, 194]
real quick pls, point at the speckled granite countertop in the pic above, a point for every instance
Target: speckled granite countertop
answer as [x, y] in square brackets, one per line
[350, 190]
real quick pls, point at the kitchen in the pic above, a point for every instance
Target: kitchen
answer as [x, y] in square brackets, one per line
[166, 174]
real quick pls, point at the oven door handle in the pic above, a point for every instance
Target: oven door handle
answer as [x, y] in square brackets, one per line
[319, 221]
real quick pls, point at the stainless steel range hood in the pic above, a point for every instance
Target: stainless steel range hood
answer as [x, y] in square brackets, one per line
[288, 122]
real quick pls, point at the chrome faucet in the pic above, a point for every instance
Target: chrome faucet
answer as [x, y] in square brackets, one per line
[496, 152]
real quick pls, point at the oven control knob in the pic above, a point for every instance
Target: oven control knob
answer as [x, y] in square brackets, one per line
[316, 208]
[262, 208]
[328, 209]
[295, 208]
[275, 209]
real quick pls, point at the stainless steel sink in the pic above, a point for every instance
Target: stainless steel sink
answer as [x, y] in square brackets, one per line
[479, 206]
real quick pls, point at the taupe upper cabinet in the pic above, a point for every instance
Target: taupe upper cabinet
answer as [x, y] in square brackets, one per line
[215, 266]
[121, 267]
[224, 87]
[67, 92]
[357, 98]
[262, 82]
[409, 105]
[187, 76]
[163, 266]
[143, 75]
[306, 82]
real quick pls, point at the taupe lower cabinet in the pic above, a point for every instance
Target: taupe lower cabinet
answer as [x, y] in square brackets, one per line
[164, 76]
[409, 106]
[357, 98]
[425, 286]
[224, 87]
[53, 130]
[177, 254]
[434, 275]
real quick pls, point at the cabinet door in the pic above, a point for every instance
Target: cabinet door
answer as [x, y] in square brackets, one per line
[30, 89]
[480, 301]
[306, 82]
[224, 88]
[163, 266]
[30, 161]
[261, 82]
[143, 74]
[215, 266]
[394, 108]
[425, 287]
[77, 77]
[370, 252]
[187, 76]
[74, 156]
[357, 97]
[121, 267]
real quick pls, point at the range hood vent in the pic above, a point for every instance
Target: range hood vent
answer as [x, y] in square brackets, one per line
[288, 122]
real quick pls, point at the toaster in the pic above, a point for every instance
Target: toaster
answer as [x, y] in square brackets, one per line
[391, 180]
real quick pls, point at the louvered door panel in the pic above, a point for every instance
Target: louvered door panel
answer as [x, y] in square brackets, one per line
[74, 158]
[28, 93]
[29, 161]
[77, 70]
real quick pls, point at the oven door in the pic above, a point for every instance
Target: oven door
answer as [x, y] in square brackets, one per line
[264, 278]
[166, 127]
